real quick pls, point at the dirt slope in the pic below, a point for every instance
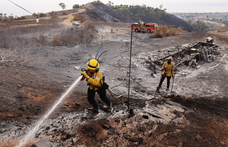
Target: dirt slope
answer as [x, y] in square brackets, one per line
[70, 17]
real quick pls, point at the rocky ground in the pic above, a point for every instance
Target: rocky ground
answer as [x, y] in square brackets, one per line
[195, 114]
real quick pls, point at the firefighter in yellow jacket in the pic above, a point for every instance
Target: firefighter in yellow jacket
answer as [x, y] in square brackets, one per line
[96, 84]
[167, 71]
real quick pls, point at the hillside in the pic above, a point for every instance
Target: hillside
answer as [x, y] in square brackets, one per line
[101, 12]
[40, 62]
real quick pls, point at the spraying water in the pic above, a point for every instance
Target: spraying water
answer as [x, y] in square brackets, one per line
[36, 127]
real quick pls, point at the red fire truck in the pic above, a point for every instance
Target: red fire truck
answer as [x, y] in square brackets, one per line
[145, 27]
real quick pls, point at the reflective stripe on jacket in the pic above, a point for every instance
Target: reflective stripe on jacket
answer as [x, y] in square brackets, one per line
[95, 80]
[168, 69]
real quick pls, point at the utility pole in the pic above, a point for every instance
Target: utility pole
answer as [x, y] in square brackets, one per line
[128, 104]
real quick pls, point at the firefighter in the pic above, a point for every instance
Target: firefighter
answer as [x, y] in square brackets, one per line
[167, 71]
[96, 84]
[111, 30]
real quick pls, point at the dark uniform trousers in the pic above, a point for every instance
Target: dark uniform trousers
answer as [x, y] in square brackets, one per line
[101, 92]
[162, 79]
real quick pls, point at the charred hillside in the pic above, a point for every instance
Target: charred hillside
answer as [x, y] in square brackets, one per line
[100, 12]
[129, 14]
[173, 20]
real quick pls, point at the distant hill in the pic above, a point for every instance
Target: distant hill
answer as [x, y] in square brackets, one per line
[101, 12]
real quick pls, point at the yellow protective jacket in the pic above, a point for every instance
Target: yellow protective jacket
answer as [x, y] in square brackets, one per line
[168, 69]
[95, 80]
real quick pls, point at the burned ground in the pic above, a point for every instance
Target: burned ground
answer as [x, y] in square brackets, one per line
[32, 79]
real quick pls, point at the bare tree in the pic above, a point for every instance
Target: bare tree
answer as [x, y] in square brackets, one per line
[161, 6]
[62, 5]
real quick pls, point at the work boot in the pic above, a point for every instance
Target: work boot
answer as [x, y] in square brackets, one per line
[109, 109]
[158, 89]
[93, 110]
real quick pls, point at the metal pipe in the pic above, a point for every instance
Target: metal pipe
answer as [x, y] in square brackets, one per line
[172, 86]
[130, 71]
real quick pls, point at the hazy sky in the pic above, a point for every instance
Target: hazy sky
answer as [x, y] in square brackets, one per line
[37, 6]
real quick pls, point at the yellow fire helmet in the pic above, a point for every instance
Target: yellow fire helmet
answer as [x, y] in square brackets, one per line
[93, 64]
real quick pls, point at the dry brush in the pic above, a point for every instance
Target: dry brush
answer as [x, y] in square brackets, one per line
[165, 31]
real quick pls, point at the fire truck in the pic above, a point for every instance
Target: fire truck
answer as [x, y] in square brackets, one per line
[145, 27]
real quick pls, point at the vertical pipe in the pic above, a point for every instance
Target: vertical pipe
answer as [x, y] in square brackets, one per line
[130, 71]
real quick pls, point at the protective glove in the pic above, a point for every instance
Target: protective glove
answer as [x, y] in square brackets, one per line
[173, 76]
[85, 75]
